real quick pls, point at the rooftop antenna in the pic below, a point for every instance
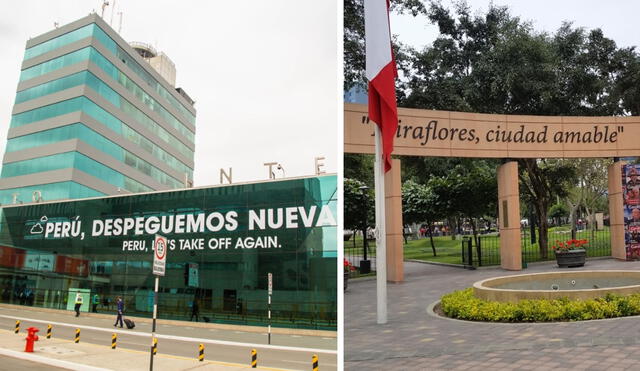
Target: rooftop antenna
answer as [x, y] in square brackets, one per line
[105, 4]
[120, 26]
[113, 8]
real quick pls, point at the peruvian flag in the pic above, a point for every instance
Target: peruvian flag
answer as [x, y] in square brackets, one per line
[381, 72]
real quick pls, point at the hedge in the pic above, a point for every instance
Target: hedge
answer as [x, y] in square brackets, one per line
[464, 305]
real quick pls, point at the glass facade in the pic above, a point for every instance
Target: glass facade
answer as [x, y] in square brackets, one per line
[92, 30]
[223, 243]
[103, 89]
[50, 191]
[72, 160]
[87, 106]
[80, 131]
[149, 117]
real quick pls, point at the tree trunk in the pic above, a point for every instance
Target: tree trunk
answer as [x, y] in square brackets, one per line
[543, 228]
[474, 230]
[452, 228]
[592, 222]
[404, 235]
[354, 239]
[532, 226]
[573, 216]
[433, 247]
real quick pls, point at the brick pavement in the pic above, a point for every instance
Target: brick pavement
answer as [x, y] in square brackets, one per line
[414, 339]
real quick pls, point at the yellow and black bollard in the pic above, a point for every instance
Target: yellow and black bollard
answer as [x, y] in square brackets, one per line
[77, 339]
[49, 331]
[314, 362]
[155, 346]
[201, 353]
[254, 358]
[114, 340]
[17, 327]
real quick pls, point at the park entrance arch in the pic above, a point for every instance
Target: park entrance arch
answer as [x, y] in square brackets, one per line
[460, 134]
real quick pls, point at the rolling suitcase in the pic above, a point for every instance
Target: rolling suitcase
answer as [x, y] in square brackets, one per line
[129, 323]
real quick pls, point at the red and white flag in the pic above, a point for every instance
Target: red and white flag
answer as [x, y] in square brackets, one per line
[381, 72]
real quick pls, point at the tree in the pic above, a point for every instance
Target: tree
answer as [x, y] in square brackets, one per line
[467, 190]
[358, 208]
[542, 181]
[557, 212]
[590, 190]
[495, 63]
[420, 205]
[354, 46]
[360, 167]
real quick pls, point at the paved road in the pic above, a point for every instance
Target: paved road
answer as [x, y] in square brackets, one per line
[414, 339]
[99, 331]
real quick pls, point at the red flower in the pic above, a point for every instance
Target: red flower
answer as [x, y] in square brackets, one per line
[569, 245]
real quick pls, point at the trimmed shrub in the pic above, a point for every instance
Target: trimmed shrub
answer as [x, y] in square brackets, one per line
[464, 305]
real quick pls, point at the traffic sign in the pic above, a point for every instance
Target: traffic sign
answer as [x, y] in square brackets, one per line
[160, 255]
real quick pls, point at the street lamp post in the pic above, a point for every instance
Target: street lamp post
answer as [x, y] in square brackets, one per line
[365, 264]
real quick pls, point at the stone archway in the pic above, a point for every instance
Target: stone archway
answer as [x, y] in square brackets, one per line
[460, 134]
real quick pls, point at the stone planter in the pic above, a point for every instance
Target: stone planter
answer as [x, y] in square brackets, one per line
[571, 258]
[346, 279]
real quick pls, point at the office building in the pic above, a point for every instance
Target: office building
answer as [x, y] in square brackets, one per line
[95, 116]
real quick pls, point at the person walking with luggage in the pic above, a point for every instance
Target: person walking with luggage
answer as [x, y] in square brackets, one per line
[120, 306]
[78, 303]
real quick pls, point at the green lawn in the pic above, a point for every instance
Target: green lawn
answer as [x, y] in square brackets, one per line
[449, 251]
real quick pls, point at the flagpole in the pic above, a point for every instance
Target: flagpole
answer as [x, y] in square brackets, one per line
[381, 235]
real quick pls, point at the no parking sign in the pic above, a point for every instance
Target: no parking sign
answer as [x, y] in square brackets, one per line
[159, 255]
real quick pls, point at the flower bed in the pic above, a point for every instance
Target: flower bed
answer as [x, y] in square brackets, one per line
[464, 305]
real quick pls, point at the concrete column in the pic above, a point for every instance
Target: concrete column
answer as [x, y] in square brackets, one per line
[616, 212]
[394, 225]
[509, 215]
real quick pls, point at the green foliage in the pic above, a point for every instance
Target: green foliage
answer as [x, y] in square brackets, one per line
[358, 205]
[464, 305]
[493, 62]
[469, 190]
[419, 203]
[558, 211]
[354, 46]
[360, 167]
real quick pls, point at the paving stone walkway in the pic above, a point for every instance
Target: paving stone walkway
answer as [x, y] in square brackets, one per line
[413, 339]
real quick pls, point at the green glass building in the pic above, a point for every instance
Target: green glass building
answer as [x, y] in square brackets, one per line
[223, 243]
[92, 117]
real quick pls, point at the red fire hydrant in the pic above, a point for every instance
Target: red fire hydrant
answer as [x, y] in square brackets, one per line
[31, 338]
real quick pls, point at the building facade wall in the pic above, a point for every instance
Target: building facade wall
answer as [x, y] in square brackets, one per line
[219, 263]
[86, 101]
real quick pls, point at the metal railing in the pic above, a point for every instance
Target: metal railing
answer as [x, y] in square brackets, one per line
[354, 254]
[485, 250]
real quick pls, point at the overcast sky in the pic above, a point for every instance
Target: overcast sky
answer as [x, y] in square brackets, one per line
[264, 74]
[618, 19]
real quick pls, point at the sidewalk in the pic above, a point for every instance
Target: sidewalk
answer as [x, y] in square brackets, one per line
[233, 333]
[226, 347]
[415, 339]
[84, 356]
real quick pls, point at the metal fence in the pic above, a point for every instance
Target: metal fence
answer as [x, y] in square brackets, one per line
[354, 254]
[485, 250]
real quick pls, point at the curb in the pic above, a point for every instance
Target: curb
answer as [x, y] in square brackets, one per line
[218, 326]
[436, 263]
